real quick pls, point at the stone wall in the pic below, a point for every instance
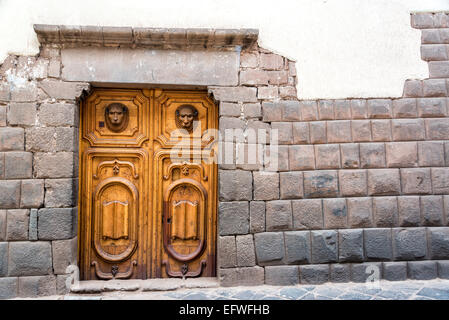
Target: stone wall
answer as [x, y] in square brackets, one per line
[361, 182]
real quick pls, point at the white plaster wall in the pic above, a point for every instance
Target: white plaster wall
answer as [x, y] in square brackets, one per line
[343, 48]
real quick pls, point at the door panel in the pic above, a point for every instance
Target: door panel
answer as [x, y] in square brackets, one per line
[143, 212]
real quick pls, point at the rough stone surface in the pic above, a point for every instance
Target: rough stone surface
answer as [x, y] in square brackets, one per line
[378, 244]
[324, 246]
[281, 275]
[37, 286]
[278, 215]
[394, 271]
[360, 212]
[235, 185]
[233, 218]
[314, 274]
[297, 247]
[227, 252]
[350, 245]
[246, 256]
[307, 214]
[266, 185]
[64, 254]
[269, 247]
[409, 243]
[247, 276]
[335, 213]
[29, 258]
[57, 223]
[9, 194]
[8, 287]
[340, 272]
[257, 216]
[17, 224]
[320, 184]
[422, 270]
[439, 243]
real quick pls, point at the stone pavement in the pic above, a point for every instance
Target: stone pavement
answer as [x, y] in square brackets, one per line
[437, 289]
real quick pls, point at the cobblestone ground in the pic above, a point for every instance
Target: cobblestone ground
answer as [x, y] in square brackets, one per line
[402, 290]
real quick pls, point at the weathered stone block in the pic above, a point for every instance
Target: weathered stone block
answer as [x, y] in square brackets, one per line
[57, 223]
[37, 286]
[8, 288]
[405, 108]
[394, 271]
[440, 180]
[284, 130]
[58, 114]
[67, 139]
[60, 193]
[246, 256]
[350, 245]
[253, 77]
[249, 59]
[272, 111]
[17, 224]
[422, 270]
[432, 88]
[360, 212]
[314, 274]
[439, 243]
[385, 211]
[278, 215]
[300, 133]
[416, 181]
[372, 155]
[378, 244]
[32, 230]
[228, 109]
[422, 20]
[233, 217]
[26, 92]
[342, 109]
[439, 69]
[430, 154]
[324, 246]
[54, 165]
[231, 129]
[434, 52]
[64, 254]
[432, 107]
[437, 129]
[18, 165]
[235, 185]
[301, 157]
[408, 129]
[358, 109]
[381, 130]
[22, 114]
[3, 259]
[2, 116]
[227, 252]
[249, 156]
[309, 110]
[32, 193]
[352, 183]
[383, 182]
[267, 93]
[291, 110]
[327, 156]
[335, 213]
[248, 276]
[340, 272]
[252, 110]
[11, 139]
[432, 210]
[297, 247]
[350, 158]
[366, 272]
[326, 109]
[2, 225]
[361, 130]
[291, 185]
[443, 269]
[276, 158]
[307, 214]
[320, 184]
[269, 247]
[281, 275]
[339, 131]
[402, 154]
[29, 258]
[9, 194]
[318, 132]
[409, 243]
[379, 108]
[409, 211]
[271, 61]
[257, 216]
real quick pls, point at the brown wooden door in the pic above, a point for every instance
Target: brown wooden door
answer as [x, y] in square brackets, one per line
[147, 184]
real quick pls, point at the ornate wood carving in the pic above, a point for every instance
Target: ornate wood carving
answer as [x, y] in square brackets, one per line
[114, 274]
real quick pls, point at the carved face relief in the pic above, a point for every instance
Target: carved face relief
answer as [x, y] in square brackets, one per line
[185, 115]
[116, 116]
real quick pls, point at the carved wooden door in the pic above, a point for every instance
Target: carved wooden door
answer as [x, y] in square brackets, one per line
[147, 184]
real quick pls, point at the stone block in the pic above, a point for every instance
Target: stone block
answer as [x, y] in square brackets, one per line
[54, 68]
[394, 271]
[342, 109]
[227, 252]
[269, 61]
[291, 185]
[252, 110]
[278, 215]
[372, 155]
[409, 211]
[269, 247]
[324, 246]
[26, 92]
[61, 89]
[18, 165]
[3, 259]
[267, 93]
[2, 225]
[361, 130]
[249, 156]
[281, 275]
[335, 213]
[434, 52]
[422, 270]
[40, 139]
[58, 114]
[228, 109]
[246, 256]
[233, 218]
[301, 157]
[320, 184]
[307, 214]
[439, 243]
[432, 107]
[29, 258]
[432, 88]
[9, 194]
[235, 185]
[409, 243]
[381, 130]
[416, 181]
[17, 224]
[379, 108]
[2, 165]
[440, 180]
[32, 193]
[8, 287]
[383, 182]
[339, 131]
[378, 244]
[439, 69]
[300, 132]
[32, 230]
[309, 110]
[432, 210]
[57, 223]
[276, 158]
[430, 154]
[350, 156]
[257, 216]
[385, 210]
[430, 36]
[358, 109]
[284, 130]
[247, 276]
[297, 247]
[443, 269]
[64, 254]
[405, 108]
[350, 245]
[12, 139]
[422, 20]
[413, 88]
[22, 114]
[326, 109]
[54, 165]
[272, 111]
[327, 156]
[37, 286]
[318, 132]
[60, 193]
[253, 77]
[352, 183]
[360, 212]
[231, 129]
[314, 274]
[408, 129]
[249, 60]
[340, 273]
[291, 110]
[366, 272]
[278, 78]
[67, 139]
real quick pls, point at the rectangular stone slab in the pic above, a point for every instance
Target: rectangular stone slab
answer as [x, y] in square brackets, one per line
[124, 65]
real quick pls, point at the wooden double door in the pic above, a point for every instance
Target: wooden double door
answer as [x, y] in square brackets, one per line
[148, 196]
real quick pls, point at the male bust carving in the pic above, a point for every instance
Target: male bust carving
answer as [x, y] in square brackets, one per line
[185, 116]
[116, 116]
